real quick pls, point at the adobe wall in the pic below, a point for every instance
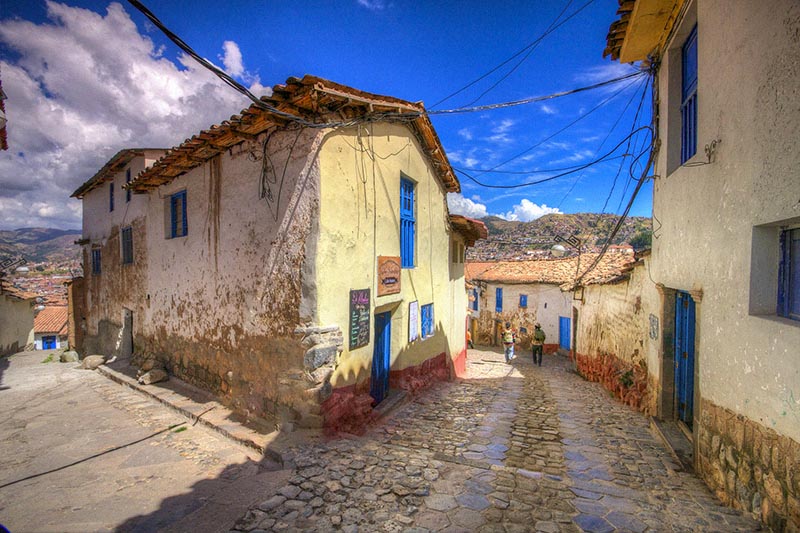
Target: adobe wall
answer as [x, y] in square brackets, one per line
[16, 324]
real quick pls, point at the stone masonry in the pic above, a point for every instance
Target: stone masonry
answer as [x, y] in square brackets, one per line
[750, 466]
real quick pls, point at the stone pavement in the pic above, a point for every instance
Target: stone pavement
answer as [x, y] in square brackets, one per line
[136, 465]
[511, 448]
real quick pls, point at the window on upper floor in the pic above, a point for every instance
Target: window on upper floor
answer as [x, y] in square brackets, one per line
[475, 296]
[427, 321]
[789, 274]
[111, 196]
[177, 215]
[407, 223]
[689, 97]
[523, 300]
[127, 180]
[96, 261]
[498, 300]
[127, 245]
[457, 252]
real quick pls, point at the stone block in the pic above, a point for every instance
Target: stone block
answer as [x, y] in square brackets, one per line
[319, 356]
[775, 493]
[730, 481]
[320, 375]
[69, 357]
[737, 434]
[91, 362]
[715, 444]
[154, 376]
[778, 460]
[745, 472]
[731, 457]
[766, 453]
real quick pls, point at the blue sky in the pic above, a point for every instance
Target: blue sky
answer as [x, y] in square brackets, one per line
[87, 78]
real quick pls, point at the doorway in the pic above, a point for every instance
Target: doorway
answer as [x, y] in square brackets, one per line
[379, 379]
[564, 333]
[684, 357]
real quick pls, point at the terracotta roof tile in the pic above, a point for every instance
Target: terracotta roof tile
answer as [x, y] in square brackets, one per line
[51, 320]
[612, 267]
[7, 288]
[471, 229]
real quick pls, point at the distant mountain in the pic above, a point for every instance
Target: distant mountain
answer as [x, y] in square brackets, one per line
[55, 247]
[513, 239]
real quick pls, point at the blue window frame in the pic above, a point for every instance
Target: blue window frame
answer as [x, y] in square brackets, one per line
[127, 180]
[96, 261]
[127, 245]
[407, 223]
[689, 97]
[177, 215]
[498, 300]
[475, 296]
[427, 321]
[110, 196]
[523, 300]
[789, 275]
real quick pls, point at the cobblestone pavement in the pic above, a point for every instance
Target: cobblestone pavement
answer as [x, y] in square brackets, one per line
[512, 448]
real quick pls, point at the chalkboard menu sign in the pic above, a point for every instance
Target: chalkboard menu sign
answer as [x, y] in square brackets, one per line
[359, 318]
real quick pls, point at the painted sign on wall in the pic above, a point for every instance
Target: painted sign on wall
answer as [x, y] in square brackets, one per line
[388, 275]
[359, 318]
[413, 321]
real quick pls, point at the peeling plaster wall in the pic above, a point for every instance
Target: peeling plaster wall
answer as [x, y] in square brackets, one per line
[620, 320]
[359, 221]
[16, 324]
[545, 304]
[710, 236]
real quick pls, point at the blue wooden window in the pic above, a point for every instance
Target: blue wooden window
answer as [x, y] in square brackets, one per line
[789, 275]
[523, 300]
[96, 261]
[475, 296]
[427, 321]
[177, 215]
[127, 180]
[111, 196]
[407, 223]
[498, 300]
[689, 97]
[127, 245]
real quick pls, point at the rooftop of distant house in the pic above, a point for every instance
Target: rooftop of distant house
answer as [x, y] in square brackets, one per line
[8, 288]
[51, 320]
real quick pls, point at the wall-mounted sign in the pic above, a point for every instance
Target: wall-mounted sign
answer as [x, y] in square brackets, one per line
[359, 318]
[413, 321]
[388, 275]
[653, 326]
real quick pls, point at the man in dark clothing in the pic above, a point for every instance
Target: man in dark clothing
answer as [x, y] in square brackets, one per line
[538, 344]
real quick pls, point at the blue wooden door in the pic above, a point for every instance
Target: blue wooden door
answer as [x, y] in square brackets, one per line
[49, 342]
[564, 332]
[684, 356]
[379, 382]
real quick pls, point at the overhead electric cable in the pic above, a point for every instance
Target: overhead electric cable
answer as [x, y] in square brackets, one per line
[522, 172]
[514, 56]
[556, 176]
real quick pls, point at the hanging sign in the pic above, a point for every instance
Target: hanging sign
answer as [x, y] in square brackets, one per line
[388, 275]
[413, 321]
[359, 318]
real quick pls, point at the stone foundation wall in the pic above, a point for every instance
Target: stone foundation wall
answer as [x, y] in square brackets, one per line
[750, 466]
[629, 383]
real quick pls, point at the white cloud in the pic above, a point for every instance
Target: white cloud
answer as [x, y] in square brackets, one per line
[373, 5]
[547, 109]
[525, 211]
[86, 85]
[232, 58]
[504, 126]
[606, 71]
[465, 133]
[459, 205]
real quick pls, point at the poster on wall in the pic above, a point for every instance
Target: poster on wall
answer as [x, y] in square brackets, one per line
[413, 321]
[388, 275]
[359, 318]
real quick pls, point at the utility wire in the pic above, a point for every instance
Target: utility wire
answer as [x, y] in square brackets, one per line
[537, 171]
[560, 175]
[517, 54]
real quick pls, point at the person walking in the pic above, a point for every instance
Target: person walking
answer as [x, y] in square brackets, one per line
[509, 338]
[538, 343]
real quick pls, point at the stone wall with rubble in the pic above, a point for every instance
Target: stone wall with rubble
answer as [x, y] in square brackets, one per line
[750, 466]
[617, 333]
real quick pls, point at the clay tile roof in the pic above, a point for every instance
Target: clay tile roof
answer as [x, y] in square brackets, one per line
[645, 24]
[51, 320]
[473, 271]
[114, 165]
[7, 288]
[471, 229]
[611, 268]
[313, 100]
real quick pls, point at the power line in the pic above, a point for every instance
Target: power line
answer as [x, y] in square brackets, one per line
[556, 176]
[516, 54]
[537, 171]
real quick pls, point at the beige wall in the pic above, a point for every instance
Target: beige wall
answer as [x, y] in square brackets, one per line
[359, 221]
[545, 304]
[719, 222]
[16, 324]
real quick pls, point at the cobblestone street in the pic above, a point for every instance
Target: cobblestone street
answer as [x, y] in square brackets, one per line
[512, 448]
